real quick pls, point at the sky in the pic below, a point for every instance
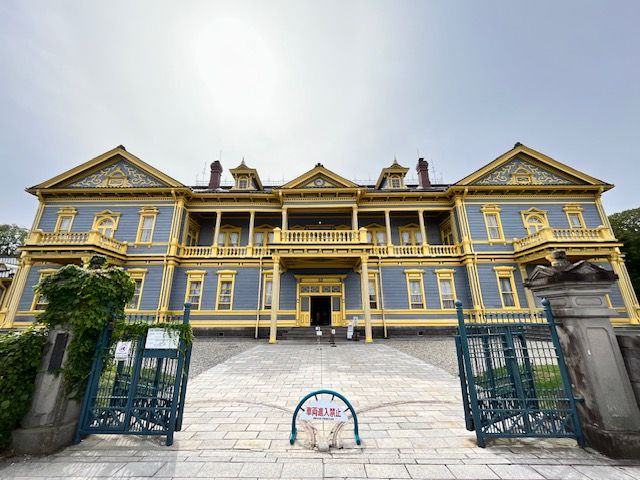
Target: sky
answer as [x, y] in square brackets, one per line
[288, 84]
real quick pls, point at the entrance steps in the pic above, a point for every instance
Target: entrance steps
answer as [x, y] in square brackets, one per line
[309, 333]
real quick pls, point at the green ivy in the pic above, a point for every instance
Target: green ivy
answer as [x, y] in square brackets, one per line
[84, 301]
[20, 355]
[132, 331]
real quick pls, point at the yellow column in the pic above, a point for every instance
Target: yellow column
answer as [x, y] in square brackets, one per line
[474, 285]
[626, 289]
[364, 287]
[423, 231]
[531, 302]
[285, 220]
[354, 218]
[216, 231]
[166, 289]
[16, 289]
[275, 300]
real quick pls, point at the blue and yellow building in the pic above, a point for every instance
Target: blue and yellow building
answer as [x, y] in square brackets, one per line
[320, 249]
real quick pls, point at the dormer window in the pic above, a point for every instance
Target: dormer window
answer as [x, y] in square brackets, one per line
[243, 183]
[395, 182]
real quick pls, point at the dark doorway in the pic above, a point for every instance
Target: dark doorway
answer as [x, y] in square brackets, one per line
[320, 311]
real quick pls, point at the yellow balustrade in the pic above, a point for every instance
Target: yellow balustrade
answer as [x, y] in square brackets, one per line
[93, 237]
[320, 236]
[548, 234]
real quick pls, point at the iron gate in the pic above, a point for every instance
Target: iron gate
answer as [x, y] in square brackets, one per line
[142, 395]
[513, 376]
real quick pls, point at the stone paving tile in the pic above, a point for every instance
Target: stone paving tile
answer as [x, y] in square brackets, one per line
[237, 425]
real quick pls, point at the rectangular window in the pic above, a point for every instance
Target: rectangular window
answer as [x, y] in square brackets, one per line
[224, 297]
[415, 289]
[268, 294]
[446, 293]
[373, 292]
[395, 182]
[40, 301]
[381, 238]
[493, 227]
[507, 287]
[575, 221]
[258, 238]
[134, 303]
[65, 223]
[243, 183]
[194, 294]
[146, 229]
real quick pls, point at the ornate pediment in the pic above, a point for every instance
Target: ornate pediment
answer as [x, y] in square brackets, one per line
[120, 174]
[524, 166]
[320, 177]
[116, 168]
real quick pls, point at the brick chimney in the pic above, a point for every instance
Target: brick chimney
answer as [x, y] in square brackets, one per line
[216, 173]
[423, 173]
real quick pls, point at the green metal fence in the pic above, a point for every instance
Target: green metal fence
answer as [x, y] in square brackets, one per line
[143, 394]
[513, 377]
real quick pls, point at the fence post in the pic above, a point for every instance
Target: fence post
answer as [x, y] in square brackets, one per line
[185, 375]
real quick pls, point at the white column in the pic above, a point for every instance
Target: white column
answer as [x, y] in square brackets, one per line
[387, 222]
[216, 231]
[423, 231]
[354, 218]
[275, 300]
[252, 218]
[364, 287]
[285, 221]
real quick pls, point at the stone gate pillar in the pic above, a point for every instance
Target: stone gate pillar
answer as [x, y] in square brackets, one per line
[577, 293]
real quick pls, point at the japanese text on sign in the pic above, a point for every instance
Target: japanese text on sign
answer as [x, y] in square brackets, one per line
[323, 410]
[162, 338]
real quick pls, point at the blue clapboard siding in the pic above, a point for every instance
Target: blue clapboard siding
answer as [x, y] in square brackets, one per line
[151, 288]
[512, 219]
[489, 285]
[245, 293]
[127, 226]
[33, 278]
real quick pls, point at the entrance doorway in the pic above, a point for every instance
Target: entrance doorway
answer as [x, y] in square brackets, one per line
[320, 311]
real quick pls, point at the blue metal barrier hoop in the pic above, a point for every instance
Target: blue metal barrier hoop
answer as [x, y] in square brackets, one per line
[324, 391]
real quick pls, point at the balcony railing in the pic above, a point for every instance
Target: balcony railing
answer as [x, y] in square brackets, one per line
[93, 237]
[320, 236]
[415, 250]
[548, 234]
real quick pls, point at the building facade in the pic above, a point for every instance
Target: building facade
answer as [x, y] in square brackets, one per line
[320, 249]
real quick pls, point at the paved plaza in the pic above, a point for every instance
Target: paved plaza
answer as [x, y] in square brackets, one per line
[238, 419]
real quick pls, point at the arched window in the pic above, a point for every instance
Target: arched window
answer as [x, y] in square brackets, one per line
[106, 227]
[534, 223]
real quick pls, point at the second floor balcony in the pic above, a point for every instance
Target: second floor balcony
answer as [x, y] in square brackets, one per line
[82, 240]
[554, 237]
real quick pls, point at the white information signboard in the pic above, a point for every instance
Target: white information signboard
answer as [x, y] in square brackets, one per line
[323, 409]
[123, 349]
[161, 338]
[349, 332]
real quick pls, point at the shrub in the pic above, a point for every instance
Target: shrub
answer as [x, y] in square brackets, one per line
[20, 355]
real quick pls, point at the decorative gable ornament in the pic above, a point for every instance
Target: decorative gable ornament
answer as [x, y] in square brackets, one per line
[520, 172]
[319, 177]
[119, 175]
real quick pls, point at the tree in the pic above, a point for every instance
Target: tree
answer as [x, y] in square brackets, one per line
[626, 227]
[11, 237]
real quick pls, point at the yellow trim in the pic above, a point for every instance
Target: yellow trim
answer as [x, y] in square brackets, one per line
[227, 230]
[192, 277]
[146, 212]
[375, 276]
[507, 272]
[574, 209]
[65, 212]
[265, 230]
[493, 210]
[415, 274]
[267, 277]
[137, 274]
[446, 274]
[223, 277]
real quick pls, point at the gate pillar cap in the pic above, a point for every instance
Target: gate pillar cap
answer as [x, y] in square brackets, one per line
[562, 271]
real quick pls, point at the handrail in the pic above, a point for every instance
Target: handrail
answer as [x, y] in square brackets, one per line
[93, 237]
[548, 234]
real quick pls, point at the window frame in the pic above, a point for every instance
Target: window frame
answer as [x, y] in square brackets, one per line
[265, 230]
[375, 278]
[192, 232]
[223, 277]
[446, 275]
[227, 230]
[393, 178]
[527, 215]
[137, 274]
[267, 277]
[146, 212]
[575, 209]
[447, 232]
[414, 231]
[488, 211]
[99, 218]
[65, 212]
[243, 178]
[506, 272]
[43, 273]
[194, 276]
[373, 229]
[413, 275]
